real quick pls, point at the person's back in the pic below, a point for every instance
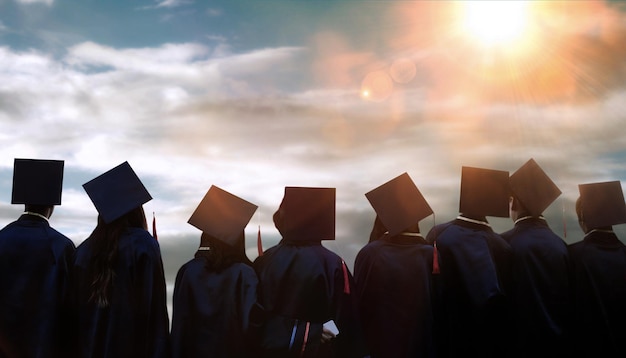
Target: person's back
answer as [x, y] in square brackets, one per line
[211, 310]
[300, 280]
[598, 265]
[134, 321]
[394, 289]
[540, 286]
[35, 262]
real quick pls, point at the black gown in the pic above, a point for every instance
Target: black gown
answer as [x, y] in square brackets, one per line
[211, 310]
[540, 304]
[393, 278]
[136, 323]
[307, 282]
[35, 268]
[599, 279]
[474, 273]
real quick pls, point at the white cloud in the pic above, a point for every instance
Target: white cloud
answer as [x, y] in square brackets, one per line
[46, 2]
[167, 4]
[186, 117]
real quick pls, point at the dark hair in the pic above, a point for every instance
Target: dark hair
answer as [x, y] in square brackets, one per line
[39, 209]
[105, 238]
[221, 255]
[579, 209]
[378, 230]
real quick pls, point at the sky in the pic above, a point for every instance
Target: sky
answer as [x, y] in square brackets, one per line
[254, 96]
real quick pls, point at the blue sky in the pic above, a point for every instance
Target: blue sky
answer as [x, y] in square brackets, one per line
[253, 96]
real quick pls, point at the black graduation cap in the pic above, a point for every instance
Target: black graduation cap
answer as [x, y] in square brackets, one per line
[222, 215]
[533, 188]
[116, 192]
[37, 181]
[308, 214]
[484, 192]
[602, 204]
[399, 204]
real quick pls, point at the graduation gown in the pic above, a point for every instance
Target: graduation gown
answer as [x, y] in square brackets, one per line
[135, 324]
[540, 305]
[474, 273]
[35, 267]
[599, 278]
[211, 310]
[309, 283]
[393, 278]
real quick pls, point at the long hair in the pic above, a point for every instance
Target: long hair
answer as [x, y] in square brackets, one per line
[105, 238]
[220, 255]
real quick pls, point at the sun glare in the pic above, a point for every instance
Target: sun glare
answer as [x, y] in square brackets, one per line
[495, 22]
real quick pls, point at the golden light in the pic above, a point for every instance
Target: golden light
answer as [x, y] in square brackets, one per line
[495, 22]
[376, 86]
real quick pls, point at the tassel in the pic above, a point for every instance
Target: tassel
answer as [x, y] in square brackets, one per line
[259, 243]
[154, 233]
[564, 221]
[306, 338]
[346, 282]
[435, 259]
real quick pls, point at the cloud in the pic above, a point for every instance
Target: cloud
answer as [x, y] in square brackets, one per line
[189, 115]
[46, 2]
[167, 4]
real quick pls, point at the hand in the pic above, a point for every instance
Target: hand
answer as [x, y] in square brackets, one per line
[327, 335]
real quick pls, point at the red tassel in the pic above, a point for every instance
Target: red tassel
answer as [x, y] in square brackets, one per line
[154, 233]
[346, 282]
[259, 243]
[435, 259]
[306, 338]
[564, 223]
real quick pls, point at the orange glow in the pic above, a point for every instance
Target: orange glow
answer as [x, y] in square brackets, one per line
[377, 86]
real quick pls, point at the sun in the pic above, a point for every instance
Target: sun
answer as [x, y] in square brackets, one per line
[493, 23]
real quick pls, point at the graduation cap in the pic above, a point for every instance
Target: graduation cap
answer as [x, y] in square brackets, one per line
[116, 192]
[308, 214]
[399, 204]
[484, 192]
[222, 215]
[37, 182]
[533, 188]
[602, 204]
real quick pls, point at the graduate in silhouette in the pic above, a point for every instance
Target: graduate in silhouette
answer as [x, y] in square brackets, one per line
[215, 292]
[540, 286]
[35, 266]
[303, 285]
[119, 289]
[393, 275]
[472, 264]
[599, 272]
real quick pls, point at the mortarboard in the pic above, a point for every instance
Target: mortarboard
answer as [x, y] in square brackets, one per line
[222, 215]
[602, 204]
[533, 188]
[399, 204]
[484, 192]
[308, 214]
[116, 192]
[37, 181]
